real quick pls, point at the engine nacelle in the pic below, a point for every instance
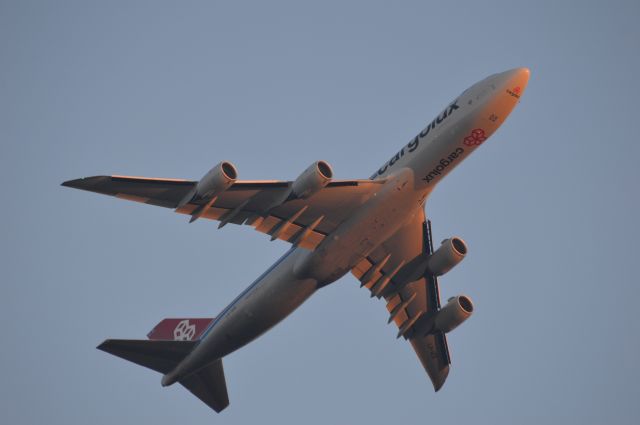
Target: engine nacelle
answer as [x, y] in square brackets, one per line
[457, 310]
[314, 178]
[450, 253]
[217, 180]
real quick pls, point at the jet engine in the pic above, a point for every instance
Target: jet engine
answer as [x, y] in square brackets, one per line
[457, 310]
[217, 180]
[314, 178]
[450, 253]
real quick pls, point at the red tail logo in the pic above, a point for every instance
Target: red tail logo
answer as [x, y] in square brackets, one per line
[179, 329]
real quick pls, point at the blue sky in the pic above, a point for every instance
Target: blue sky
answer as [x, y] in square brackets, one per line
[548, 206]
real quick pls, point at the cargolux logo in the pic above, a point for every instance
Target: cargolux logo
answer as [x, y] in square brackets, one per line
[413, 145]
[444, 163]
[476, 137]
[184, 331]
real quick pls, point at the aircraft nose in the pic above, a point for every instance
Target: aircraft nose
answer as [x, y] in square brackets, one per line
[516, 79]
[521, 76]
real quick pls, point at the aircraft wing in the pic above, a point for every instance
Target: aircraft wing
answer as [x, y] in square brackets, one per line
[394, 272]
[263, 204]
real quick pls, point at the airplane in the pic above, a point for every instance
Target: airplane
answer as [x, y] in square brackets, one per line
[375, 228]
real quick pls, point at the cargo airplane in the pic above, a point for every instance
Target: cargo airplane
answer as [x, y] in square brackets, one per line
[375, 228]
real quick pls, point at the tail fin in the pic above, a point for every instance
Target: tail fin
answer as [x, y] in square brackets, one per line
[179, 329]
[208, 384]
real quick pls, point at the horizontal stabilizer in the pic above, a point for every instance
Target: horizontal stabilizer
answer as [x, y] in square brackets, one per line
[209, 385]
[161, 356]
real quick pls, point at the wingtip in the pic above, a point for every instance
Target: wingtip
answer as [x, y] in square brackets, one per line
[86, 183]
[82, 183]
[102, 346]
[438, 381]
[69, 183]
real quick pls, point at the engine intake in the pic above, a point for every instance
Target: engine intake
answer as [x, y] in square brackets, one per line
[457, 310]
[314, 178]
[217, 180]
[450, 253]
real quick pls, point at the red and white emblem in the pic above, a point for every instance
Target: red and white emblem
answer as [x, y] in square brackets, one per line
[181, 329]
[476, 137]
[184, 331]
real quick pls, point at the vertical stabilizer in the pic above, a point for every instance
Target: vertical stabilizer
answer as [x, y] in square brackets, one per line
[179, 329]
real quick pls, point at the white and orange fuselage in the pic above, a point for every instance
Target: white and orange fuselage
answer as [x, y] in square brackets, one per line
[409, 177]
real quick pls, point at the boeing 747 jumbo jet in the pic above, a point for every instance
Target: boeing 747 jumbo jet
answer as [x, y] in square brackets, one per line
[375, 228]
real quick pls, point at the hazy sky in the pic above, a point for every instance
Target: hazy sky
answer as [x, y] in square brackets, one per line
[549, 206]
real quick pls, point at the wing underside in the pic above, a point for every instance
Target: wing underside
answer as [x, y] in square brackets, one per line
[262, 204]
[394, 272]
